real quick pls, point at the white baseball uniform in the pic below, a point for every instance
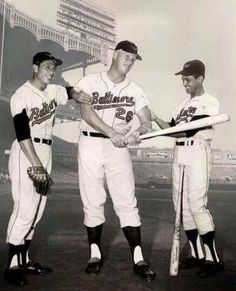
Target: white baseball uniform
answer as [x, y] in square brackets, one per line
[40, 108]
[99, 160]
[194, 154]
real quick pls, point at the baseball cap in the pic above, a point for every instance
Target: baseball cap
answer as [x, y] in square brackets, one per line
[129, 47]
[192, 67]
[45, 56]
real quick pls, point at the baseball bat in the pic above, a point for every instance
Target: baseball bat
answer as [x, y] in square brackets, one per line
[174, 258]
[200, 123]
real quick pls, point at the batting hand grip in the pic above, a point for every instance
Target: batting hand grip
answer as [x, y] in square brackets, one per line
[174, 259]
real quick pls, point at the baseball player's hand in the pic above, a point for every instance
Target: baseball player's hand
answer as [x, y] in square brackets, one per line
[119, 140]
[153, 116]
[41, 179]
[133, 138]
[82, 97]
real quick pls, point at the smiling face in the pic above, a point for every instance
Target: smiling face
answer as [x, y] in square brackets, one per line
[45, 71]
[192, 84]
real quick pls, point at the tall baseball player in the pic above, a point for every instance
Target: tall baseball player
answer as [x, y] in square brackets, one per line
[103, 155]
[193, 153]
[33, 110]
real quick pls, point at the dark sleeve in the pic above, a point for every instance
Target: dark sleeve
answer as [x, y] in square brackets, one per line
[21, 123]
[68, 90]
[191, 133]
[172, 123]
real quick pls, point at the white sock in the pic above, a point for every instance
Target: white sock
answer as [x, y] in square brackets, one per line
[27, 257]
[95, 251]
[138, 256]
[199, 248]
[14, 262]
[208, 253]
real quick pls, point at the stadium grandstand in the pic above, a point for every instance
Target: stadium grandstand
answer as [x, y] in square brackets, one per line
[81, 37]
[88, 20]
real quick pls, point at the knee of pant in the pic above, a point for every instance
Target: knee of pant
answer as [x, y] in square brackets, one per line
[197, 208]
[26, 216]
[188, 220]
[94, 210]
[186, 212]
[125, 210]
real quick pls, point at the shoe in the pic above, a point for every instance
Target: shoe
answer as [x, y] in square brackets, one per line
[15, 276]
[210, 268]
[94, 266]
[191, 262]
[143, 270]
[34, 268]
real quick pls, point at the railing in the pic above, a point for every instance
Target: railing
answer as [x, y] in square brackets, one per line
[64, 38]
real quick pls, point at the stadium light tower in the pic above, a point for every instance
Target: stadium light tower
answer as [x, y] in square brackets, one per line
[2, 47]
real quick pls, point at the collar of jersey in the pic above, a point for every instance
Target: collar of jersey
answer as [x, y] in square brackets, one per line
[36, 90]
[198, 97]
[108, 81]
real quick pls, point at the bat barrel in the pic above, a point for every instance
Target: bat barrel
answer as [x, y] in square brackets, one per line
[200, 123]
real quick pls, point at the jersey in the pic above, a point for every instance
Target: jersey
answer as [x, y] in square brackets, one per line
[199, 105]
[115, 104]
[40, 106]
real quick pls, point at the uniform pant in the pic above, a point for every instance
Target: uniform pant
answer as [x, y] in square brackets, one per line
[28, 204]
[195, 160]
[99, 162]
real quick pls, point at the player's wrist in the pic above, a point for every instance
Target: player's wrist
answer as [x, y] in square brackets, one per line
[111, 133]
[36, 164]
[156, 119]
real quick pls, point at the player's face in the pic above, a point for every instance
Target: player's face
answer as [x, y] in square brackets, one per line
[125, 61]
[45, 72]
[191, 84]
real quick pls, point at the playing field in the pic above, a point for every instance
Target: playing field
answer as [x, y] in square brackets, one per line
[61, 242]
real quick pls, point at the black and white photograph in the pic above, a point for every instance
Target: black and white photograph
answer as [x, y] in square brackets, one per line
[117, 145]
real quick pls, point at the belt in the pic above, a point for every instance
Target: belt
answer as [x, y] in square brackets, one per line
[185, 143]
[94, 134]
[43, 140]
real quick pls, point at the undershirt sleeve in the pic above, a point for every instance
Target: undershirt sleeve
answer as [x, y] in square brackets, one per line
[172, 123]
[68, 91]
[191, 133]
[21, 124]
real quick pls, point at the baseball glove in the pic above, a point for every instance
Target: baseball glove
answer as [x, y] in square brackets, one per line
[41, 179]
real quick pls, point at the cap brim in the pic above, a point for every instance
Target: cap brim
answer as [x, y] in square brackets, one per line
[57, 61]
[179, 73]
[139, 58]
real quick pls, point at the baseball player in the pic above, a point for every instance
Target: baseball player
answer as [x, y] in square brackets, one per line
[103, 155]
[33, 110]
[193, 154]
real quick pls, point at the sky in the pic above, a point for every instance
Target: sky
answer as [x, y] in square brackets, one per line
[168, 33]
